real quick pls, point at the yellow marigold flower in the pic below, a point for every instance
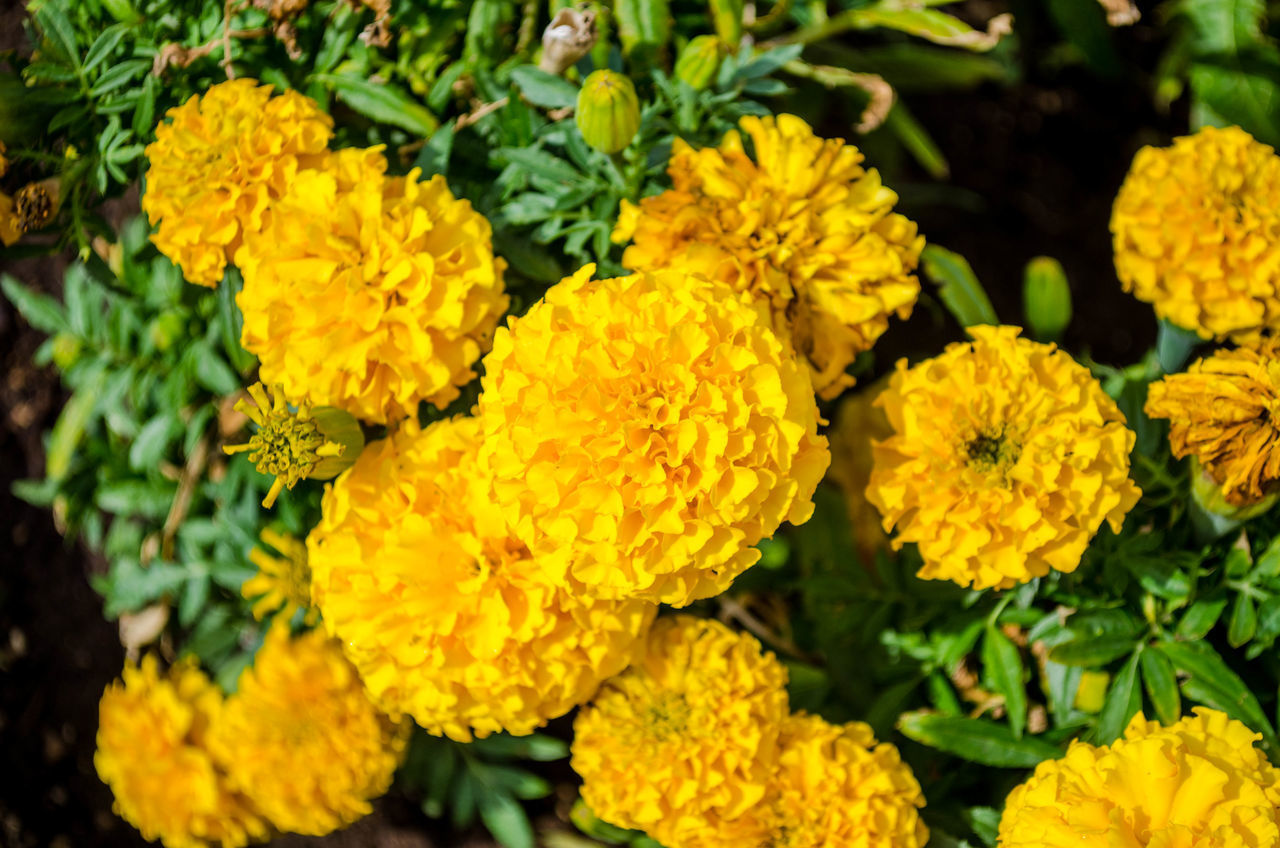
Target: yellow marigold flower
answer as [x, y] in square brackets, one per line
[835, 786]
[294, 445]
[1005, 460]
[1198, 783]
[645, 431]
[301, 737]
[684, 743]
[803, 227]
[370, 293]
[152, 735]
[1192, 229]
[217, 168]
[443, 612]
[283, 582]
[1226, 412]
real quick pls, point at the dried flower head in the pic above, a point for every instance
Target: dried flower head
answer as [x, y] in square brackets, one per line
[1193, 229]
[1006, 458]
[644, 432]
[153, 730]
[443, 612]
[301, 737]
[219, 166]
[684, 744]
[1198, 783]
[370, 293]
[801, 226]
[1225, 411]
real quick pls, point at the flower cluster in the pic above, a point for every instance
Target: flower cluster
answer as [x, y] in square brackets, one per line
[694, 745]
[1197, 782]
[1225, 411]
[643, 432]
[370, 293]
[298, 748]
[443, 611]
[1196, 230]
[802, 227]
[1005, 459]
[219, 165]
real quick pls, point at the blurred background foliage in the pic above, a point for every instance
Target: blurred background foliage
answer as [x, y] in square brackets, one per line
[1182, 607]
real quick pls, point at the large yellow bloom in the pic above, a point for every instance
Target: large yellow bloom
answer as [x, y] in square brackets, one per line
[803, 227]
[441, 609]
[1196, 230]
[302, 739]
[1226, 411]
[221, 163]
[835, 786]
[370, 293]
[645, 431]
[684, 743]
[1006, 458]
[152, 734]
[1198, 783]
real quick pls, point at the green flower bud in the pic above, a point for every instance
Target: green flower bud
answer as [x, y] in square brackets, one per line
[727, 15]
[339, 427]
[66, 350]
[1046, 298]
[699, 61]
[608, 111]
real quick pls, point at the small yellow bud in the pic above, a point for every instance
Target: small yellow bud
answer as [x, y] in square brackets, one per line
[608, 111]
[699, 61]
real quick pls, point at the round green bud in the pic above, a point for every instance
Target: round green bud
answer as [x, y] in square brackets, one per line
[699, 61]
[1046, 298]
[65, 350]
[339, 427]
[608, 111]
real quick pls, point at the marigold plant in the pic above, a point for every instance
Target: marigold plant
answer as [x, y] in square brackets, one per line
[1006, 458]
[1223, 412]
[1198, 782]
[370, 293]
[153, 730]
[220, 164]
[643, 432]
[444, 612]
[1194, 232]
[684, 743]
[801, 225]
[301, 738]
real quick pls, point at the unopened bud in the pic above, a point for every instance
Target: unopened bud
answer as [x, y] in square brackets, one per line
[1046, 298]
[570, 36]
[65, 350]
[608, 111]
[699, 61]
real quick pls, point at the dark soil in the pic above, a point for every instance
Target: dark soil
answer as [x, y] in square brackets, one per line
[1036, 165]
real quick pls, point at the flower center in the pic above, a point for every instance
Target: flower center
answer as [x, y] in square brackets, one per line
[667, 717]
[991, 450]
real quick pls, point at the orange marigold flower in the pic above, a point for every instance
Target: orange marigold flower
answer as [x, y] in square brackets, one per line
[1225, 411]
[220, 164]
[1198, 783]
[644, 432]
[370, 293]
[153, 731]
[684, 744]
[1195, 232]
[443, 611]
[1006, 458]
[301, 737]
[802, 226]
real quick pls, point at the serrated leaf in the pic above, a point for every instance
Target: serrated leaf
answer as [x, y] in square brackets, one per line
[544, 89]
[382, 102]
[41, 311]
[109, 39]
[958, 286]
[59, 31]
[1212, 683]
[119, 75]
[977, 740]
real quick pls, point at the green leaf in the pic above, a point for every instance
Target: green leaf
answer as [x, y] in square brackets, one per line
[916, 139]
[540, 163]
[60, 32]
[1083, 24]
[434, 157]
[70, 427]
[215, 375]
[119, 75]
[769, 61]
[41, 311]
[1242, 90]
[644, 28]
[107, 41]
[1124, 700]
[1244, 621]
[977, 740]
[152, 441]
[537, 746]
[1199, 619]
[1092, 653]
[1224, 26]
[1212, 683]
[959, 288]
[130, 586]
[1162, 686]
[544, 89]
[930, 24]
[1003, 667]
[382, 102]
